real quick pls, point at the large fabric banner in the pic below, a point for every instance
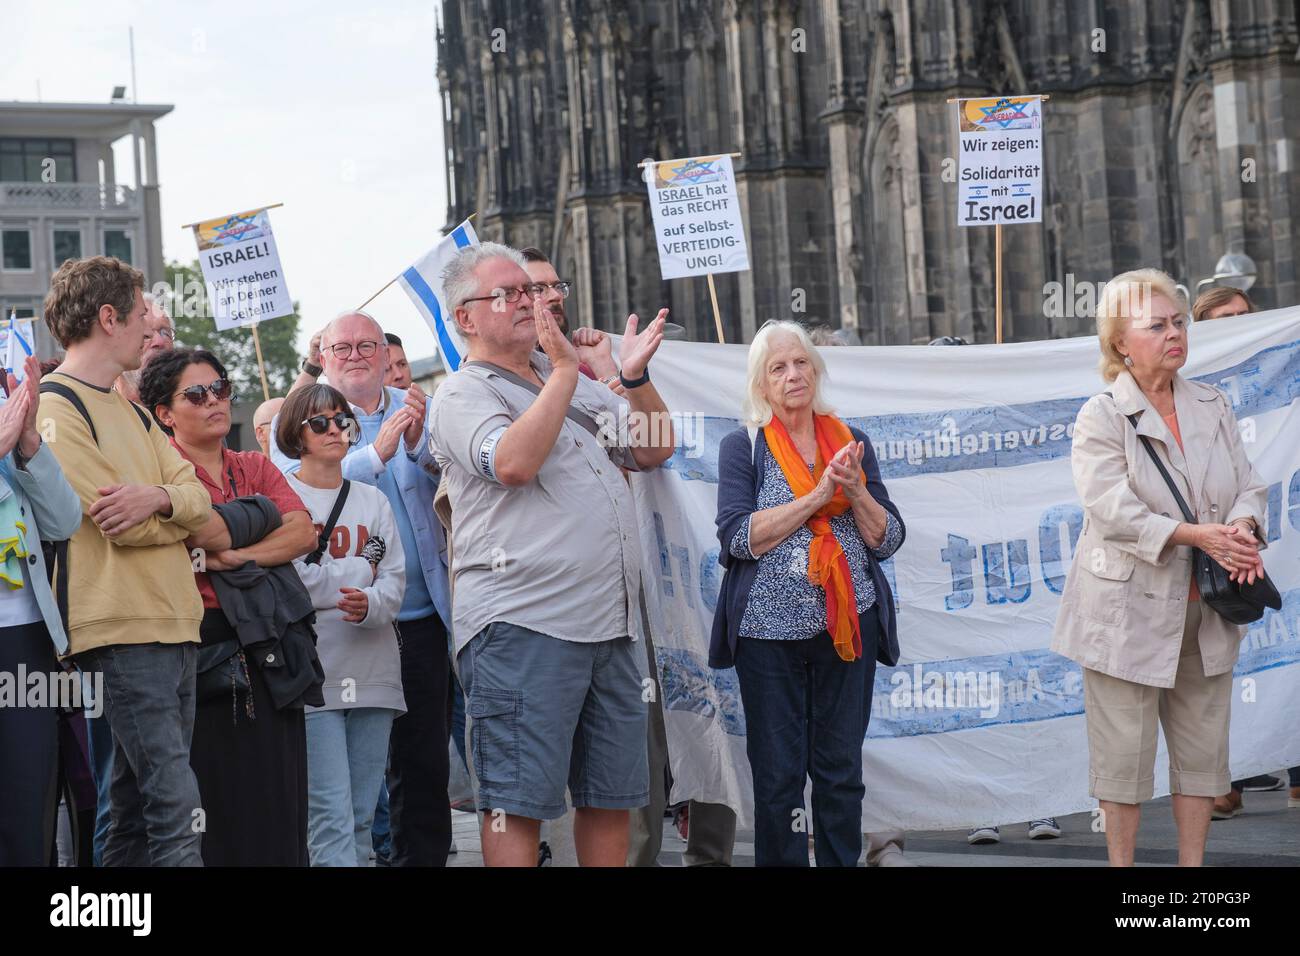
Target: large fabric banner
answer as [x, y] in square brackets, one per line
[980, 723]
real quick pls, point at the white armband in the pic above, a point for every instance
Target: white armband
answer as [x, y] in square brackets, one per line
[486, 457]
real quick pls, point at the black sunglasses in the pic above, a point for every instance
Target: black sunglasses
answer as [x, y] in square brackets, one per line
[320, 424]
[221, 390]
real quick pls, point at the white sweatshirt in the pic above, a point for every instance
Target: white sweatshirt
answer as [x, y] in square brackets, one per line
[361, 661]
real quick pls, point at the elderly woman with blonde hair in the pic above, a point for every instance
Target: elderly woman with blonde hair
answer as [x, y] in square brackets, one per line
[804, 610]
[1131, 613]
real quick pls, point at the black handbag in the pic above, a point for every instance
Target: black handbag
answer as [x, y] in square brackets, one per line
[1235, 601]
[221, 669]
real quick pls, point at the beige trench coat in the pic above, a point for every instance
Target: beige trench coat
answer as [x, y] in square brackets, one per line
[1125, 599]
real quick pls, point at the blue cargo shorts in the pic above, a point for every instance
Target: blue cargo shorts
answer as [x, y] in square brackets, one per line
[545, 713]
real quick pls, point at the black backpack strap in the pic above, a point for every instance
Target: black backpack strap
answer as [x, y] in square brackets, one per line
[70, 395]
[73, 399]
[145, 418]
[61, 580]
[323, 541]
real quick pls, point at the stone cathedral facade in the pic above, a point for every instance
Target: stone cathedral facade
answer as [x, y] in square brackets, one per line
[1172, 135]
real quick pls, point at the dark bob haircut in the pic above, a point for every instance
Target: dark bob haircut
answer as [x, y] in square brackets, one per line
[301, 405]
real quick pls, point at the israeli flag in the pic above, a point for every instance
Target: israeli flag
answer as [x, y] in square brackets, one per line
[17, 348]
[423, 283]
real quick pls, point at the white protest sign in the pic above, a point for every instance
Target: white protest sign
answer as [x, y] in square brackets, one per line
[698, 227]
[1000, 179]
[241, 267]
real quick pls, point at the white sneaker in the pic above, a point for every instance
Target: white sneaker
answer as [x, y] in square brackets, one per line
[981, 835]
[1045, 829]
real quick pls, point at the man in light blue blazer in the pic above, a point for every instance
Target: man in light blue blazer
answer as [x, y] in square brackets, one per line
[392, 453]
[34, 495]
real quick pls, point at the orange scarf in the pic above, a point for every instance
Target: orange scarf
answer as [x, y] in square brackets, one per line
[827, 565]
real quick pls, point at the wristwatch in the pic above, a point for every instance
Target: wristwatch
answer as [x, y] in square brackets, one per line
[315, 371]
[635, 383]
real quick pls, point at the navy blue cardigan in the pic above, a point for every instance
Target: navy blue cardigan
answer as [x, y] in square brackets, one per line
[740, 476]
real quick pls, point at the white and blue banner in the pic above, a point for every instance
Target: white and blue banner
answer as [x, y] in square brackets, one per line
[980, 723]
[423, 283]
[19, 336]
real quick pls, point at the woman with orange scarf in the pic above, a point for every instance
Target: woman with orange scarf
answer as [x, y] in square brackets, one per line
[805, 611]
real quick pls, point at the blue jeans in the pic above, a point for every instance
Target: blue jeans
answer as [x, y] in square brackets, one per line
[149, 703]
[346, 754]
[99, 737]
[806, 714]
[381, 833]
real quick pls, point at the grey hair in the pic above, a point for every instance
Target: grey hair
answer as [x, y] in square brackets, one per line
[757, 409]
[329, 326]
[458, 280]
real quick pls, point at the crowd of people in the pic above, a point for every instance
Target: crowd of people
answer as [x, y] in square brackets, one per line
[282, 642]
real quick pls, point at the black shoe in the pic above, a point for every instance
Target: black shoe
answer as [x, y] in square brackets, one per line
[544, 854]
[1262, 783]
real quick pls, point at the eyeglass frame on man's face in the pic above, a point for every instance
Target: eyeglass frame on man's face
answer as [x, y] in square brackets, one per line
[502, 294]
[333, 349]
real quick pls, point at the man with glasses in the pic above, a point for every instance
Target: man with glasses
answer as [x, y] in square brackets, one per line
[262, 419]
[391, 453]
[547, 563]
[712, 826]
[594, 347]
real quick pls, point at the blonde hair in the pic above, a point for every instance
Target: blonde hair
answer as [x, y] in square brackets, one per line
[1120, 298]
[756, 407]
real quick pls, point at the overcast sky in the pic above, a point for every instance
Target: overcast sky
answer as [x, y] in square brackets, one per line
[324, 106]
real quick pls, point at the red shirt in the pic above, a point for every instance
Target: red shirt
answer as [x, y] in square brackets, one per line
[243, 473]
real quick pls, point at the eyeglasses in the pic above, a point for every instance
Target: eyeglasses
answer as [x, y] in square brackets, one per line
[320, 424]
[221, 390]
[508, 295]
[167, 333]
[344, 349]
[538, 289]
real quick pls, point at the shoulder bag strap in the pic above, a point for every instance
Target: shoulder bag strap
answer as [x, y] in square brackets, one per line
[323, 541]
[1164, 472]
[572, 414]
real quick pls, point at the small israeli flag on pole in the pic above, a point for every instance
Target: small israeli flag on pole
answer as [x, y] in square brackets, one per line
[17, 348]
[423, 283]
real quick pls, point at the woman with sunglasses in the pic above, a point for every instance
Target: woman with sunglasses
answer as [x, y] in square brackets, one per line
[249, 757]
[357, 588]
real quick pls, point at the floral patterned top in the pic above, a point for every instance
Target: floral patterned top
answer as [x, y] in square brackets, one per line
[783, 604]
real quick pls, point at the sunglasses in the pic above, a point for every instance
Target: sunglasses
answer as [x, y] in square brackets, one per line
[320, 424]
[221, 390]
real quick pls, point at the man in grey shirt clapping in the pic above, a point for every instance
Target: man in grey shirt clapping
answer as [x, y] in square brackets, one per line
[545, 562]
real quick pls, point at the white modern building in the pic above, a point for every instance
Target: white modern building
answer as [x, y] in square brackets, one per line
[60, 197]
